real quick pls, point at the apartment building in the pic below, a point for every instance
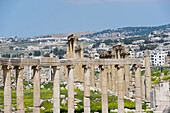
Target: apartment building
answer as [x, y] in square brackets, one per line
[157, 58]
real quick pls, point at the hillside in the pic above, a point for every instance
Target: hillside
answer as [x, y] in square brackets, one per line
[115, 33]
[127, 31]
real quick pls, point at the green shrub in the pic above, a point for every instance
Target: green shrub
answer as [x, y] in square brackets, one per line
[157, 74]
[166, 78]
[165, 72]
[144, 106]
[47, 105]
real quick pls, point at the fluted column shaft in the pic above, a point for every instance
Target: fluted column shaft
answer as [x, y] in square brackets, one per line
[86, 89]
[20, 92]
[56, 90]
[138, 93]
[70, 89]
[103, 71]
[7, 89]
[36, 101]
[120, 89]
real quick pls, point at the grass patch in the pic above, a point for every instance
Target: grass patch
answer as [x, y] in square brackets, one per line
[95, 104]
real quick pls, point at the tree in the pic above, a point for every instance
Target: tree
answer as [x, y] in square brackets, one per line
[108, 42]
[30, 54]
[6, 55]
[55, 51]
[37, 53]
[60, 52]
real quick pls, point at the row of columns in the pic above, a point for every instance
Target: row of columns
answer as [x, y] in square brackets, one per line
[20, 92]
[56, 88]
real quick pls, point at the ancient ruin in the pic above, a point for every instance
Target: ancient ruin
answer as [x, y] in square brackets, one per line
[114, 75]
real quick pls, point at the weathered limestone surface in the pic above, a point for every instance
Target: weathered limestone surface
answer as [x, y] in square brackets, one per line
[127, 79]
[147, 77]
[92, 76]
[70, 89]
[87, 89]
[56, 90]
[113, 72]
[143, 87]
[120, 89]
[75, 51]
[7, 89]
[127, 72]
[103, 71]
[138, 92]
[36, 101]
[109, 81]
[20, 92]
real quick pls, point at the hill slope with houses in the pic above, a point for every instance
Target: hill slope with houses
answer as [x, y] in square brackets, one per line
[114, 33]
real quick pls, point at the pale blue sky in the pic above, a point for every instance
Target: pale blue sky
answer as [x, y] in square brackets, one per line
[28, 18]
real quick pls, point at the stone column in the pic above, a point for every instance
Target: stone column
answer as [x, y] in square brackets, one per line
[143, 87]
[36, 79]
[7, 89]
[70, 89]
[68, 50]
[92, 76]
[103, 71]
[86, 89]
[127, 79]
[118, 52]
[50, 74]
[113, 71]
[147, 76]
[120, 88]
[81, 51]
[109, 78]
[20, 92]
[56, 90]
[71, 49]
[138, 92]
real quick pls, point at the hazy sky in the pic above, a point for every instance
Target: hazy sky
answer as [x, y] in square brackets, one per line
[28, 18]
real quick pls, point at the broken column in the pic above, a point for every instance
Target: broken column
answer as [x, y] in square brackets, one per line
[70, 89]
[86, 89]
[138, 89]
[103, 71]
[56, 89]
[36, 79]
[7, 89]
[120, 88]
[147, 76]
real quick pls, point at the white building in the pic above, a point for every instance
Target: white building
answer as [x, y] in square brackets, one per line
[134, 54]
[157, 58]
